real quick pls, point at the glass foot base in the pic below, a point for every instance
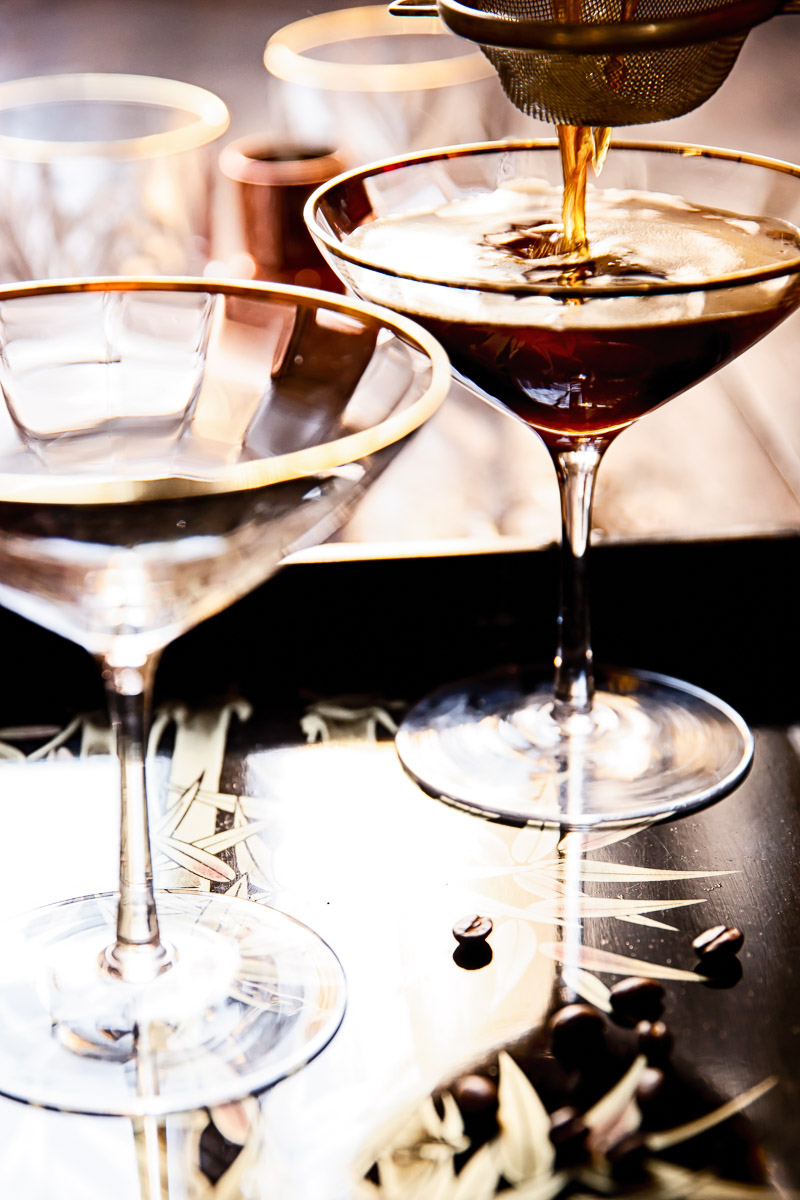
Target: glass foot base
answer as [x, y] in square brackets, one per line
[252, 996]
[652, 748]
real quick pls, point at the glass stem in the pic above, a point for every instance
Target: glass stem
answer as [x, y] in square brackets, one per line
[576, 467]
[137, 955]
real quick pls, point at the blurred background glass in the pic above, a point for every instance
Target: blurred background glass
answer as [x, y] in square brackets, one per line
[344, 88]
[372, 85]
[105, 175]
[273, 179]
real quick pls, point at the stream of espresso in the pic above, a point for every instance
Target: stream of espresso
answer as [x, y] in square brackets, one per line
[584, 144]
[580, 145]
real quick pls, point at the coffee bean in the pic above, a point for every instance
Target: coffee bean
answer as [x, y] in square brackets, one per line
[561, 1122]
[476, 1097]
[626, 1158]
[474, 1094]
[650, 1086]
[576, 1032]
[702, 940]
[472, 929]
[655, 1041]
[716, 947]
[568, 1135]
[637, 999]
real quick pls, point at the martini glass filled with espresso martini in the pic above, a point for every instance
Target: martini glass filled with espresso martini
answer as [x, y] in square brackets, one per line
[578, 305]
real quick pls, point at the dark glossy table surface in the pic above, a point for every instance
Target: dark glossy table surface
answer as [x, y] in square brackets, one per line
[289, 723]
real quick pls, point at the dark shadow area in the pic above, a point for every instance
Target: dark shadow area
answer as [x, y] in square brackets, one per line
[720, 615]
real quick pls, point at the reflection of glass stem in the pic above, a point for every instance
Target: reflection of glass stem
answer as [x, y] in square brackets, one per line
[149, 1133]
[137, 955]
[576, 467]
[150, 1143]
[571, 849]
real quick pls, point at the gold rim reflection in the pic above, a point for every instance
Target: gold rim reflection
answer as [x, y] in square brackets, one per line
[289, 54]
[337, 249]
[209, 115]
[72, 489]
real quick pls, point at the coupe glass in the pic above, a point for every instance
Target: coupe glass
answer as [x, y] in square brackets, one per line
[578, 360]
[167, 443]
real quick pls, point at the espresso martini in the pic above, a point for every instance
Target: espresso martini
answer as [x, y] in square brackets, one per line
[686, 256]
[586, 367]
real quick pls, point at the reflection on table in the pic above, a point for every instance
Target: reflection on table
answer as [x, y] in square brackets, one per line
[316, 817]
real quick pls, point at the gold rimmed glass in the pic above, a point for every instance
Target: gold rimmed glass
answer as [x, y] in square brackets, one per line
[167, 444]
[577, 357]
[105, 174]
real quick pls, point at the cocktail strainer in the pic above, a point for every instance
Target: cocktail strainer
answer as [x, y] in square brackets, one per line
[605, 62]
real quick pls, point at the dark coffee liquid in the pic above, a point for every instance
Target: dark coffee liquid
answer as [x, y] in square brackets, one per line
[582, 381]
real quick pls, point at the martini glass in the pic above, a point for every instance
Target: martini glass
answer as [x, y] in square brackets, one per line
[167, 443]
[577, 355]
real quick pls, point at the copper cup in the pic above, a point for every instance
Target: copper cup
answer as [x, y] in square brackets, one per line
[274, 182]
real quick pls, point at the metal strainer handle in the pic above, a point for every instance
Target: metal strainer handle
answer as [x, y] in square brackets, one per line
[512, 33]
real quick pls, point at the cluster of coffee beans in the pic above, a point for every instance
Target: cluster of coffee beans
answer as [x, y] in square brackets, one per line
[588, 1053]
[579, 1040]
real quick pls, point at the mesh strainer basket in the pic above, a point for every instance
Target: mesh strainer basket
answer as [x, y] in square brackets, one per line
[606, 62]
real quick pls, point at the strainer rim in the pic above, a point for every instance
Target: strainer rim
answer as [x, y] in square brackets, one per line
[732, 19]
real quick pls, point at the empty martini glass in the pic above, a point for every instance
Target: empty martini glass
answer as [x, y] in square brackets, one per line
[577, 345]
[166, 444]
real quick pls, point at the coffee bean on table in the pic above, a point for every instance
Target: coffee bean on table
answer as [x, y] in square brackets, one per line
[474, 1094]
[650, 1086]
[626, 1158]
[703, 939]
[568, 1135]
[472, 930]
[655, 1041]
[637, 999]
[476, 1097]
[718, 946]
[734, 938]
[577, 1032]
